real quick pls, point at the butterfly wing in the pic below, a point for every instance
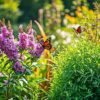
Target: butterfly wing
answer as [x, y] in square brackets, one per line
[78, 30]
[47, 44]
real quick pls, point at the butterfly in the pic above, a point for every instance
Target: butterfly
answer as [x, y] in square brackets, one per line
[45, 44]
[78, 30]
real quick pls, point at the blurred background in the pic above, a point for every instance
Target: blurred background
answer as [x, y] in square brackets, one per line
[56, 16]
[24, 10]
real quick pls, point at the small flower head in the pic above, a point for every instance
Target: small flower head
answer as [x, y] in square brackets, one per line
[23, 38]
[9, 48]
[37, 51]
[18, 68]
[7, 32]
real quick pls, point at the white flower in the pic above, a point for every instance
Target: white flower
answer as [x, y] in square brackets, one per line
[63, 34]
[58, 31]
[65, 21]
[53, 37]
[68, 40]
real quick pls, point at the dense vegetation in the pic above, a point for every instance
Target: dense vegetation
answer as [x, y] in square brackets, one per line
[55, 56]
[77, 75]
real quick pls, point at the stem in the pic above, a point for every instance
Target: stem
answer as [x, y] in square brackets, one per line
[96, 26]
[8, 88]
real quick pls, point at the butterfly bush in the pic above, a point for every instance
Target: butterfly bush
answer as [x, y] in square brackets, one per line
[35, 48]
[7, 33]
[37, 51]
[23, 38]
[18, 68]
[31, 39]
[7, 44]
[10, 49]
[14, 49]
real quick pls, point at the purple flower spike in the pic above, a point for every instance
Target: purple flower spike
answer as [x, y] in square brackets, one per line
[23, 40]
[31, 41]
[38, 49]
[18, 68]
[4, 30]
[31, 31]
[9, 48]
[7, 33]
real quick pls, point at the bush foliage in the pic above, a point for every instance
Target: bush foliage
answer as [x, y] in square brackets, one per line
[77, 76]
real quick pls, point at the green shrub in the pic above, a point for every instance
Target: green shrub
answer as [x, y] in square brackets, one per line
[77, 76]
[9, 9]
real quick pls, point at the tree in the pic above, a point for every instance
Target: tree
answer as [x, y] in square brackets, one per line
[9, 9]
[29, 9]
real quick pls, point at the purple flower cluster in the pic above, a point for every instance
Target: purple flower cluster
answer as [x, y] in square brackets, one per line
[37, 51]
[7, 33]
[10, 49]
[7, 44]
[23, 40]
[31, 40]
[27, 41]
[18, 67]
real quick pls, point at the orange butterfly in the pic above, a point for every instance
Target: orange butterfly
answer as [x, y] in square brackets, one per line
[78, 30]
[47, 44]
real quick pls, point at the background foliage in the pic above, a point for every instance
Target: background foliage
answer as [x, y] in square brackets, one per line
[77, 73]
